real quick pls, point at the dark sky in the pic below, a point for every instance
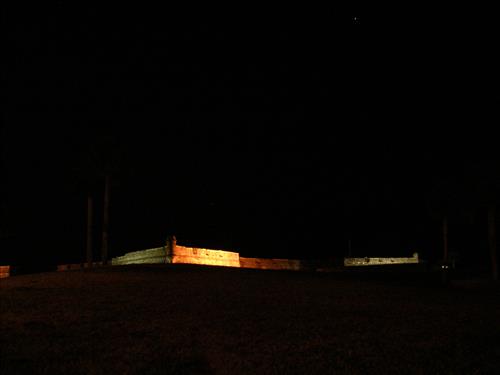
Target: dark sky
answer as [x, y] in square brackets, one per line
[273, 131]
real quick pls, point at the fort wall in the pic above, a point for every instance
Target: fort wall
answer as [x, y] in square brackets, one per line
[4, 271]
[148, 256]
[209, 257]
[271, 264]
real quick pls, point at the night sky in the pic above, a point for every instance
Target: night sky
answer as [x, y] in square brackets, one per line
[275, 132]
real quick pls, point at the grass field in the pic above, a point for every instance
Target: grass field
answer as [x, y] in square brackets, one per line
[195, 320]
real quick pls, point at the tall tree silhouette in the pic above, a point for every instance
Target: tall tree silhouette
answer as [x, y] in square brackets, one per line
[473, 191]
[100, 165]
[484, 195]
[444, 200]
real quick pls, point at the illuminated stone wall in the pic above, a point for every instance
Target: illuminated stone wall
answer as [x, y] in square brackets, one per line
[180, 254]
[4, 271]
[149, 256]
[173, 253]
[193, 255]
[271, 264]
[349, 262]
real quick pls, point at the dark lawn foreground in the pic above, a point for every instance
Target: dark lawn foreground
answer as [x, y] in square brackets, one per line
[174, 320]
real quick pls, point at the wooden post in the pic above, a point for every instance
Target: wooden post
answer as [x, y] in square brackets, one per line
[89, 231]
[105, 222]
[492, 241]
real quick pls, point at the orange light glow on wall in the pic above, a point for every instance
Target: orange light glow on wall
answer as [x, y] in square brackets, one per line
[192, 255]
[4, 271]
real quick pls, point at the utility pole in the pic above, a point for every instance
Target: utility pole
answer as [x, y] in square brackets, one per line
[445, 239]
[89, 231]
[444, 265]
[105, 221]
[492, 241]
